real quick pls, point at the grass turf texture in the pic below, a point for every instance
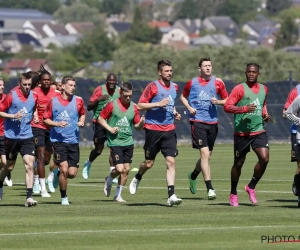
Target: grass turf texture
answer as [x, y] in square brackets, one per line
[93, 221]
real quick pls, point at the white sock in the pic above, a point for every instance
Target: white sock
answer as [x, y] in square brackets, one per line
[50, 176]
[35, 164]
[42, 183]
[117, 193]
[36, 180]
[112, 168]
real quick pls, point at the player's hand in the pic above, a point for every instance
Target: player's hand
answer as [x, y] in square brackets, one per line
[62, 124]
[142, 120]
[114, 130]
[103, 97]
[177, 116]
[80, 124]
[192, 111]
[214, 100]
[284, 113]
[164, 102]
[36, 119]
[251, 108]
[18, 115]
[266, 118]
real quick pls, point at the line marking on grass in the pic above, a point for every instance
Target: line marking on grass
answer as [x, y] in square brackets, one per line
[150, 230]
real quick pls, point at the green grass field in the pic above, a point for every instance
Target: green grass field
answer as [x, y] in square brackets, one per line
[93, 221]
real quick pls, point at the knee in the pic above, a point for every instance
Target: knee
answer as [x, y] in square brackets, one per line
[238, 163]
[264, 160]
[119, 169]
[170, 163]
[72, 175]
[148, 164]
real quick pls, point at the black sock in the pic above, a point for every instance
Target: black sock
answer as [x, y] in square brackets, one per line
[138, 176]
[63, 193]
[170, 190]
[9, 175]
[194, 174]
[1, 184]
[253, 182]
[28, 193]
[233, 187]
[208, 185]
[297, 180]
[58, 173]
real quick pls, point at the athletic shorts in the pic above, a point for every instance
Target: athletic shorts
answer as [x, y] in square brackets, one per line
[203, 135]
[295, 153]
[121, 154]
[41, 138]
[22, 146]
[66, 152]
[99, 134]
[242, 143]
[164, 141]
[2, 145]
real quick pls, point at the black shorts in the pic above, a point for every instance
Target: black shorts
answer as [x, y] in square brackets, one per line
[295, 154]
[203, 135]
[242, 143]
[41, 138]
[164, 141]
[121, 154]
[66, 152]
[99, 134]
[22, 146]
[2, 145]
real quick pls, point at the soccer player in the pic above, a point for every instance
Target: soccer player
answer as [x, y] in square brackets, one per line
[18, 133]
[65, 114]
[7, 179]
[293, 109]
[158, 100]
[100, 97]
[117, 118]
[200, 96]
[41, 134]
[295, 152]
[247, 102]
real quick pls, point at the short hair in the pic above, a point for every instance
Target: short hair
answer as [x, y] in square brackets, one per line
[163, 63]
[1, 79]
[111, 75]
[66, 79]
[24, 76]
[204, 59]
[126, 87]
[58, 79]
[253, 64]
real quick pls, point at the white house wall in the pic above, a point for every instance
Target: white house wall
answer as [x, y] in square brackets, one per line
[175, 34]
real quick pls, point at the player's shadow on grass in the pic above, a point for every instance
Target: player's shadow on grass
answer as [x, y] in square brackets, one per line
[288, 206]
[13, 205]
[51, 203]
[146, 204]
[227, 204]
[91, 182]
[192, 198]
[283, 200]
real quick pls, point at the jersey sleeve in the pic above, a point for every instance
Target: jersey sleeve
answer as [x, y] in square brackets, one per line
[80, 106]
[48, 111]
[187, 89]
[221, 89]
[264, 109]
[235, 96]
[137, 117]
[107, 110]
[6, 103]
[150, 91]
[96, 94]
[294, 109]
[291, 97]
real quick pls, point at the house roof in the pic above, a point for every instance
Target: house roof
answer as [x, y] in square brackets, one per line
[159, 24]
[258, 26]
[121, 27]
[39, 27]
[24, 38]
[83, 27]
[266, 31]
[190, 25]
[224, 23]
[33, 64]
[25, 14]
[58, 29]
[215, 39]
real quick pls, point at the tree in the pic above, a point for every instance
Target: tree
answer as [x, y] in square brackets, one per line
[94, 47]
[195, 9]
[63, 60]
[113, 7]
[236, 9]
[293, 12]
[288, 34]
[77, 12]
[42, 5]
[273, 7]
[140, 31]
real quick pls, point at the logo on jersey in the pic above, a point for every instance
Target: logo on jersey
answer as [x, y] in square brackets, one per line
[258, 108]
[204, 98]
[63, 116]
[123, 125]
[170, 106]
[26, 116]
